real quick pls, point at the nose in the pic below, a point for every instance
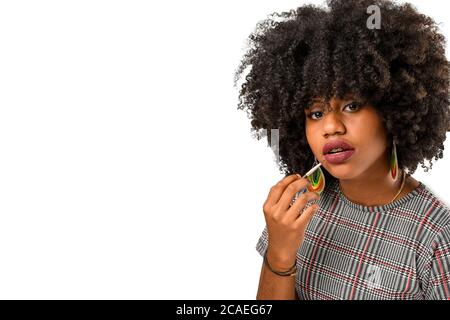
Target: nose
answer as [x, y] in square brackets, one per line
[332, 122]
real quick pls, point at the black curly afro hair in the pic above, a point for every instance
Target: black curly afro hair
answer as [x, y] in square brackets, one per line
[401, 69]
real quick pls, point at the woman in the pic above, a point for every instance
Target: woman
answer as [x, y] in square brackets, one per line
[369, 104]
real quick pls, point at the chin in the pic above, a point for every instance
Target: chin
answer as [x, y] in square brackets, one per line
[340, 171]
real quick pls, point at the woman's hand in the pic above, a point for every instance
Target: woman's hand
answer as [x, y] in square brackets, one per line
[286, 225]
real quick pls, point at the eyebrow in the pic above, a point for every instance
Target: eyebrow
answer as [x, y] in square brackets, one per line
[312, 102]
[346, 97]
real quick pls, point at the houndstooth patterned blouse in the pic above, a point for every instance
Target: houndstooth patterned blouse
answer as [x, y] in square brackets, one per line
[396, 251]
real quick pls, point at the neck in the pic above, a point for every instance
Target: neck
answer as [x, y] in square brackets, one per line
[372, 189]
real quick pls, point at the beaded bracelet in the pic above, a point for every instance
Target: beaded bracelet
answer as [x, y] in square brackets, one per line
[289, 273]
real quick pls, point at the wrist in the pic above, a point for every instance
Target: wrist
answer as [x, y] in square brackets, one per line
[291, 272]
[280, 262]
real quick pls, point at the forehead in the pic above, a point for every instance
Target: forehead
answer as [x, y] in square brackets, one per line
[322, 99]
[319, 99]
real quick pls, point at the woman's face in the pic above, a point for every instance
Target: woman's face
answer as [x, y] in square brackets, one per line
[357, 124]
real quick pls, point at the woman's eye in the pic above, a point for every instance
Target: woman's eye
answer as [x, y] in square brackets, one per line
[354, 104]
[353, 107]
[313, 113]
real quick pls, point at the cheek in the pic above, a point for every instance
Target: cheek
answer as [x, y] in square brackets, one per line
[309, 132]
[369, 128]
[370, 131]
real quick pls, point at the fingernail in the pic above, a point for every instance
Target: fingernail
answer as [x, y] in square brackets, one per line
[298, 175]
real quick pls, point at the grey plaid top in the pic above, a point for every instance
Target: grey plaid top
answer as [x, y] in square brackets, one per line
[396, 251]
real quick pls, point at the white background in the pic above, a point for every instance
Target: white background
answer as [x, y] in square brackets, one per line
[126, 170]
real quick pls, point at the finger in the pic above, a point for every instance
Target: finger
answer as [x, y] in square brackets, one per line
[290, 192]
[299, 204]
[306, 216]
[277, 190]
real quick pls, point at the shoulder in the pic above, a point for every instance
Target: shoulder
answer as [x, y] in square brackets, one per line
[432, 211]
[432, 204]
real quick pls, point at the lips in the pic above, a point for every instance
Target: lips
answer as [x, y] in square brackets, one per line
[338, 143]
[335, 158]
[338, 157]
